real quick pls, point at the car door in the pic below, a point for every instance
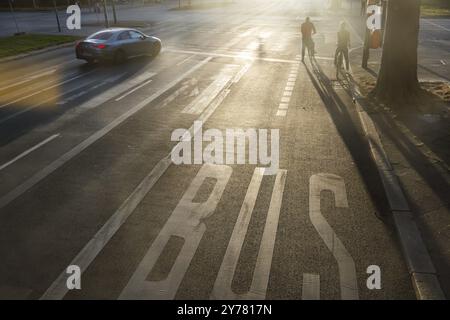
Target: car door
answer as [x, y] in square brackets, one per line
[125, 42]
[141, 45]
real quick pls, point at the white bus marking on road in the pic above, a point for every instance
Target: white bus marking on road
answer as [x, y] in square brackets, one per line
[186, 221]
[222, 287]
[347, 273]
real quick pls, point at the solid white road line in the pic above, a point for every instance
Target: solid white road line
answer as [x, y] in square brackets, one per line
[28, 79]
[46, 89]
[436, 25]
[210, 93]
[22, 111]
[23, 154]
[311, 287]
[133, 90]
[236, 55]
[58, 289]
[37, 177]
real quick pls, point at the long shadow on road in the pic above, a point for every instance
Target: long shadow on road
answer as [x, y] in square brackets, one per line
[351, 133]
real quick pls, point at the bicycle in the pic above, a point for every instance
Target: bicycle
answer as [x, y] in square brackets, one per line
[339, 60]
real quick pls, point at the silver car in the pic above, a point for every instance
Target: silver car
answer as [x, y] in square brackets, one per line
[117, 45]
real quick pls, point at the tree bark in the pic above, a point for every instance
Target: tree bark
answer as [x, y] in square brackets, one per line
[397, 80]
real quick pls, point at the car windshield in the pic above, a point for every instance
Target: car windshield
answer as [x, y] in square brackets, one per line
[101, 36]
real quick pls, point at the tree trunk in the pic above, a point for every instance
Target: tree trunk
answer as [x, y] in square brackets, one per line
[397, 80]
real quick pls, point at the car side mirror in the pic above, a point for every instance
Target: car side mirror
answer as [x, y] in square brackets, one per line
[143, 37]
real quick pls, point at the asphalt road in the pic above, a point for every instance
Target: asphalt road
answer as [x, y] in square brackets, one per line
[87, 179]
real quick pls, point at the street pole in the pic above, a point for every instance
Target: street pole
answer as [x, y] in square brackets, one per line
[114, 11]
[106, 14]
[13, 15]
[56, 14]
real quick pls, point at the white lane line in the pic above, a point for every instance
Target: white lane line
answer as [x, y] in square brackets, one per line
[133, 90]
[346, 265]
[83, 92]
[25, 153]
[237, 55]
[203, 100]
[84, 258]
[241, 73]
[184, 60]
[46, 89]
[436, 25]
[18, 113]
[443, 62]
[311, 287]
[28, 79]
[37, 177]
[35, 74]
[285, 99]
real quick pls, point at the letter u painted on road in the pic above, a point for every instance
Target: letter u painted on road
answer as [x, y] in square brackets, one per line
[318, 183]
[185, 222]
[222, 287]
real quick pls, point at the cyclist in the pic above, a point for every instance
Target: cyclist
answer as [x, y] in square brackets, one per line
[307, 29]
[343, 44]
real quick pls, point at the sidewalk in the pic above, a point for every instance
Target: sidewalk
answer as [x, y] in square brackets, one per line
[418, 144]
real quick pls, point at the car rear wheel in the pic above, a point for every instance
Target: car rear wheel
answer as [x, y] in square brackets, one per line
[119, 57]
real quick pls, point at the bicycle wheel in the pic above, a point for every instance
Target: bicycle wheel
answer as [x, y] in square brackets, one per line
[339, 61]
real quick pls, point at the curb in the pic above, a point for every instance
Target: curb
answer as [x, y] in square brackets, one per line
[39, 51]
[420, 266]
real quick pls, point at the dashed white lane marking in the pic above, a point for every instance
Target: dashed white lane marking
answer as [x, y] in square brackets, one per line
[289, 88]
[133, 90]
[46, 89]
[311, 287]
[346, 265]
[281, 113]
[25, 153]
[84, 258]
[222, 287]
[186, 222]
[37, 177]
